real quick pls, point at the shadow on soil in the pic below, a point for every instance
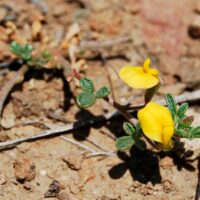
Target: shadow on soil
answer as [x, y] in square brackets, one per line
[144, 165]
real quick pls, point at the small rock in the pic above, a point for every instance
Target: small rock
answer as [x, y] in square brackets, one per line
[149, 186]
[27, 186]
[63, 196]
[167, 185]
[157, 187]
[43, 172]
[9, 121]
[3, 179]
[54, 189]
[149, 191]
[166, 162]
[73, 161]
[24, 169]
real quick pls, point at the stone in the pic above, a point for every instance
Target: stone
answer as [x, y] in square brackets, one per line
[73, 161]
[24, 169]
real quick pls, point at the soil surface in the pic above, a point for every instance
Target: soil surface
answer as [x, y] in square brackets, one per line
[113, 33]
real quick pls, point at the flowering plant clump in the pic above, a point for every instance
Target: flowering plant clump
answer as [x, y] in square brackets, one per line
[158, 125]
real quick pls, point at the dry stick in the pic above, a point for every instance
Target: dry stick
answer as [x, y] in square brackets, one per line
[7, 89]
[93, 152]
[187, 97]
[103, 44]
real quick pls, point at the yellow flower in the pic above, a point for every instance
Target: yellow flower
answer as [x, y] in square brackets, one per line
[142, 77]
[157, 124]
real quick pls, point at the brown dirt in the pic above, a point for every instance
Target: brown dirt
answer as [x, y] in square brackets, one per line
[163, 30]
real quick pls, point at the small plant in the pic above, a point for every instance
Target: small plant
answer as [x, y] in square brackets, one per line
[156, 124]
[88, 95]
[25, 52]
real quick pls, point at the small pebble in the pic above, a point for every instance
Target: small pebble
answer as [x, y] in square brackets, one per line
[25, 169]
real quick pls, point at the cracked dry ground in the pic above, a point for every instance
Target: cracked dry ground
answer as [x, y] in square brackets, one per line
[166, 31]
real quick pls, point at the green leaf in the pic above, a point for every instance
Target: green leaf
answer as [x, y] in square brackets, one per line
[24, 52]
[103, 92]
[138, 131]
[27, 48]
[128, 128]
[47, 55]
[125, 142]
[182, 125]
[15, 47]
[27, 52]
[87, 85]
[195, 132]
[184, 133]
[182, 109]
[171, 103]
[141, 144]
[85, 99]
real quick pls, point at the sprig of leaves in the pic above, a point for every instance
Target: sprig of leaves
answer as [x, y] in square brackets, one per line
[24, 52]
[133, 137]
[183, 123]
[88, 96]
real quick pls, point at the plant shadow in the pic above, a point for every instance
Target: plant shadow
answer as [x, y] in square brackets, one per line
[144, 165]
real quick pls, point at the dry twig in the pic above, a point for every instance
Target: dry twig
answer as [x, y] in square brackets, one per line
[103, 44]
[93, 152]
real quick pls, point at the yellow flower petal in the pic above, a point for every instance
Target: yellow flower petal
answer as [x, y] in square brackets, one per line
[129, 70]
[161, 113]
[146, 65]
[153, 71]
[151, 128]
[157, 123]
[136, 78]
[167, 135]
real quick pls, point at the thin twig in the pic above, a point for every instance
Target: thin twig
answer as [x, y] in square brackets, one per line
[7, 89]
[187, 97]
[103, 44]
[93, 152]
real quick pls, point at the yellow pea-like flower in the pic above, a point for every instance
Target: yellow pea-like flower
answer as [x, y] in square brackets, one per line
[157, 124]
[142, 77]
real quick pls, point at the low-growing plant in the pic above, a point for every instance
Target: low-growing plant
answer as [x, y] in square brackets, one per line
[155, 124]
